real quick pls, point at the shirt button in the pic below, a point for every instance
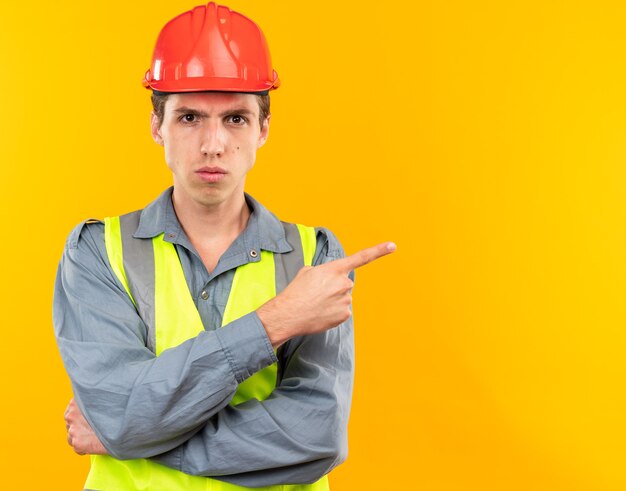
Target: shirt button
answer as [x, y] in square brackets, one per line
[204, 294]
[253, 253]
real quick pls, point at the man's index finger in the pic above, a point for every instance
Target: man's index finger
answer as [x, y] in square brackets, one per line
[363, 257]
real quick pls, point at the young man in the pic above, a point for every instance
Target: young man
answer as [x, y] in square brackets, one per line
[209, 345]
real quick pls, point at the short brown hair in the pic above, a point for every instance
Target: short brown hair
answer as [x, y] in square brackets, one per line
[159, 100]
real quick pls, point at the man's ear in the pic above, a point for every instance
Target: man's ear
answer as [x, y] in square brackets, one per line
[155, 127]
[265, 132]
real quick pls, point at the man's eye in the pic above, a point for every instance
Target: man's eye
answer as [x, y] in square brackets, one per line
[236, 119]
[189, 118]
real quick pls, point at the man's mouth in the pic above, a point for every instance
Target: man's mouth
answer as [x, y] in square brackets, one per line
[211, 174]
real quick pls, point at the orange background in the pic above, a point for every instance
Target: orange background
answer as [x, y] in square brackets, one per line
[487, 139]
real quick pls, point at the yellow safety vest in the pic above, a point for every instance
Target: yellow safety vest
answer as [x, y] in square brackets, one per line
[176, 320]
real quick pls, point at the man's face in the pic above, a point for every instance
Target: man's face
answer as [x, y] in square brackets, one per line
[210, 141]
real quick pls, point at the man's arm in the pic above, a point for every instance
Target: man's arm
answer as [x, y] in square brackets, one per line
[138, 404]
[279, 458]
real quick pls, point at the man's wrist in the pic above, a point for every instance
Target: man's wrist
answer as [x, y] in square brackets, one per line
[274, 324]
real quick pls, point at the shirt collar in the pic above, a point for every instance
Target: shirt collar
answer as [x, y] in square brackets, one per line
[263, 231]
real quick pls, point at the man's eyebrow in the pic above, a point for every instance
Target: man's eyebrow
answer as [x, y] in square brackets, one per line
[189, 110]
[237, 110]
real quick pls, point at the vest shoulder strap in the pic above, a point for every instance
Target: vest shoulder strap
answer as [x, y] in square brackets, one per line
[132, 261]
[302, 240]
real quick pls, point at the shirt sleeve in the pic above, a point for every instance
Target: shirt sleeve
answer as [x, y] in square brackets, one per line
[299, 433]
[126, 393]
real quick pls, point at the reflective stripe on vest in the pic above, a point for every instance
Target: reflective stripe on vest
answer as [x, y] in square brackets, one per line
[153, 277]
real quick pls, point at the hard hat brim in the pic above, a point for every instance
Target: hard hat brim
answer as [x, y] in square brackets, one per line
[210, 84]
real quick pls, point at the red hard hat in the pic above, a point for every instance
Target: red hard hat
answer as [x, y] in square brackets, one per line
[211, 48]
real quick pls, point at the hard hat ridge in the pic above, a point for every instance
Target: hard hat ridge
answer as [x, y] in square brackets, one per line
[211, 48]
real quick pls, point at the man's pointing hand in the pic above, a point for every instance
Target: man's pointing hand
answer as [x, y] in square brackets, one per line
[318, 298]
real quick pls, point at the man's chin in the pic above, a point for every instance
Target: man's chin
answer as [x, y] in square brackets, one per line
[213, 196]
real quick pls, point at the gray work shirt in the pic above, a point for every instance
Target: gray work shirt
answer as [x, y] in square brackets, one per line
[175, 408]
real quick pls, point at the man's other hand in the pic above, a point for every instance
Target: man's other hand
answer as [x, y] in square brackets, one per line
[80, 436]
[317, 299]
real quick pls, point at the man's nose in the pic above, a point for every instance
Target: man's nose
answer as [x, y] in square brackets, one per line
[214, 141]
